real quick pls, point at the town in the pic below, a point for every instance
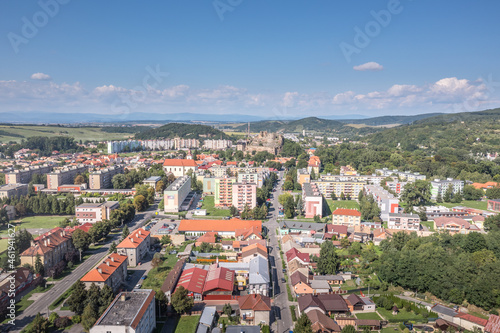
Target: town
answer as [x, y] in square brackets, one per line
[258, 235]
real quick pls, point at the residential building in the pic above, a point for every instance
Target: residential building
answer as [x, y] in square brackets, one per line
[348, 171]
[328, 304]
[244, 195]
[403, 175]
[321, 323]
[485, 186]
[470, 322]
[151, 181]
[294, 254]
[255, 309]
[224, 191]
[339, 231]
[13, 190]
[347, 217]
[312, 200]
[130, 312]
[387, 202]
[177, 196]
[257, 178]
[400, 221]
[347, 188]
[50, 246]
[314, 164]
[259, 280]
[300, 284]
[102, 178]
[439, 187]
[208, 185]
[303, 176]
[179, 167]
[302, 228]
[112, 272]
[453, 225]
[250, 252]
[396, 186]
[95, 212]
[64, 176]
[24, 176]
[494, 205]
[208, 320]
[218, 170]
[135, 246]
[224, 228]
[217, 144]
[18, 280]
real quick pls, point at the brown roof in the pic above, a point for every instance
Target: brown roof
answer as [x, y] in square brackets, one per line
[319, 318]
[473, 319]
[308, 301]
[294, 265]
[333, 302]
[298, 277]
[47, 242]
[444, 220]
[173, 277]
[354, 299]
[254, 302]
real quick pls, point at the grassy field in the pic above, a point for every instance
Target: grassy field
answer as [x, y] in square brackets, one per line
[428, 224]
[349, 285]
[467, 203]
[368, 315]
[3, 244]
[390, 330]
[187, 324]
[79, 133]
[46, 222]
[402, 315]
[351, 204]
[209, 205]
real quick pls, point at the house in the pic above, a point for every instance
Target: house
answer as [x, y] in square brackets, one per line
[296, 266]
[300, 284]
[294, 254]
[302, 228]
[179, 167]
[193, 280]
[22, 279]
[209, 237]
[224, 228]
[151, 181]
[259, 280]
[327, 303]
[255, 309]
[331, 279]
[51, 247]
[346, 217]
[129, 312]
[321, 323]
[112, 272]
[470, 322]
[173, 276]
[320, 287]
[355, 303]
[493, 325]
[219, 283]
[339, 231]
[453, 225]
[252, 251]
[250, 233]
[135, 246]
[314, 164]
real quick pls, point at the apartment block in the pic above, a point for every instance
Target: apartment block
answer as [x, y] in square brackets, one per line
[224, 191]
[312, 199]
[130, 312]
[177, 195]
[303, 176]
[64, 176]
[95, 212]
[387, 202]
[24, 176]
[404, 222]
[102, 178]
[257, 178]
[244, 194]
[439, 187]
[396, 186]
[13, 190]
[367, 179]
[111, 272]
[135, 246]
[217, 144]
[218, 170]
[349, 188]
[347, 217]
[403, 175]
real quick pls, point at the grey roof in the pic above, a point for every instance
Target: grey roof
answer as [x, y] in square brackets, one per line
[207, 316]
[236, 266]
[243, 329]
[319, 284]
[259, 271]
[441, 309]
[302, 225]
[329, 277]
[202, 329]
[122, 313]
[153, 179]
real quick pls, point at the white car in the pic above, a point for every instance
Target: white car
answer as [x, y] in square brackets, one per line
[138, 286]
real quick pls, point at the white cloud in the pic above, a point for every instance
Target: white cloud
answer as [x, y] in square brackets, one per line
[41, 76]
[289, 99]
[369, 66]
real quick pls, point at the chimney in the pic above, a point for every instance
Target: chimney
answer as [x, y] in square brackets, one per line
[44, 242]
[123, 297]
[140, 232]
[107, 263]
[48, 241]
[113, 259]
[132, 239]
[99, 270]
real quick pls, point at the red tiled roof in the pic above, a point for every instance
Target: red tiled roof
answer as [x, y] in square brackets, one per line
[473, 319]
[294, 253]
[179, 162]
[107, 268]
[219, 278]
[218, 225]
[193, 280]
[47, 242]
[255, 302]
[134, 239]
[493, 325]
[208, 237]
[345, 211]
[247, 232]
[444, 220]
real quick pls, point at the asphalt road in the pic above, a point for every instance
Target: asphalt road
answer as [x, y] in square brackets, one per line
[42, 304]
[281, 307]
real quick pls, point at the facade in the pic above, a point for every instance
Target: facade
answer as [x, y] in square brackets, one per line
[404, 222]
[130, 312]
[51, 247]
[387, 202]
[403, 175]
[95, 212]
[217, 144]
[224, 191]
[257, 178]
[24, 176]
[244, 194]
[179, 167]
[135, 246]
[102, 178]
[13, 190]
[453, 225]
[348, 188]
[112, 272]
[64, 176]
[347, 217]
[151, 181]
[312, 200]
[494, 205]
[303, 176]
[176, 194]
[439, 187]
[255, 309]
[396, 186]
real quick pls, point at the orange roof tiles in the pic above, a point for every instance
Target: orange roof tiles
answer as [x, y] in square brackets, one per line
[179, 162]
[254, 302]
[345, 211]
[134, 239]
[218, 225]
[104, 271]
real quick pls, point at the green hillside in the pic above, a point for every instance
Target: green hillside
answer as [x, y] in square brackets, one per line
[187, 131]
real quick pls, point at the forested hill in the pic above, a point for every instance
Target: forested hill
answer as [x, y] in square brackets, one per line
[186, 131]
[390, 120]
[308, 124]
[476, 132]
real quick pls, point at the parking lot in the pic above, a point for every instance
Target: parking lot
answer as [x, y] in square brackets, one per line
[163, 226]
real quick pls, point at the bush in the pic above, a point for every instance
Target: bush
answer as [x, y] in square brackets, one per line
[53, 316]
[292, 310]
[62, 322]
[494, 312]
[76, 319]
[402, 326]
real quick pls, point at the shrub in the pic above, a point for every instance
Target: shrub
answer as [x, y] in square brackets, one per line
[76, 319]
[62, 322]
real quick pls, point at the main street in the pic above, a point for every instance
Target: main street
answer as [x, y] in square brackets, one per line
[281, 309]
[42, 304]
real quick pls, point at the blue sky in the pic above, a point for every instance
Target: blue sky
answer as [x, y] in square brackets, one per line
[268, 58]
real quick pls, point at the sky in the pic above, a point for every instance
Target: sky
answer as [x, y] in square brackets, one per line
[279, 59]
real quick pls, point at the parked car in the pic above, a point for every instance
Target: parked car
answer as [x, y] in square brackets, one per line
[138, 286]
[144, 277]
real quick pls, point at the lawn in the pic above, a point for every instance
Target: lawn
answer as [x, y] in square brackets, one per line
[428, 224]
[401, 316]
[3, 244]
[187, 324]
[466, 203]
[209, 205]
[157, 276]
[349, 285]
[368, 315]
[390, 330]
[42, 221]
[351, 204]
